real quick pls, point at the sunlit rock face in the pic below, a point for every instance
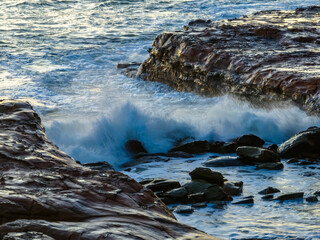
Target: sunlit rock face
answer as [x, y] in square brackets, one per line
[270, 55]
[45, 194]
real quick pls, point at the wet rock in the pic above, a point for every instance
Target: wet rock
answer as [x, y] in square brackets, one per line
[195, 147]
[196, 198]
[184, 209]
[211, 191]
[312, 199]
[100, 166]
[178, 155]
[199, 205]
[273, 147]
[290, 196]
[303, 145]
[205, 58]
[208, 175]
[249, 140]
[270, 166]
[233, 188]
[293, 160]
[162, 185]
[267, 197]
[224, 161]
[26, 236]
[134, 147]
[317, 193]
[245, 201]
[53, 197]
[178, 193]
[255, 154]
[269, 190]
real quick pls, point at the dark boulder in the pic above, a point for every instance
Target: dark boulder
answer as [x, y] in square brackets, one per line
[233, 188]
[211, 191]
[312, 199]
[134, 147]
[249, 140]
[195, 147]
[256, 155]
[303, 145]
[208, 175]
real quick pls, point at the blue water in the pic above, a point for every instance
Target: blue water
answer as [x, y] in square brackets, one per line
[62, 56]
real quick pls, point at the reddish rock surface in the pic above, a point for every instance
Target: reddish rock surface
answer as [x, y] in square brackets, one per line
[270, 55]
[45, 194]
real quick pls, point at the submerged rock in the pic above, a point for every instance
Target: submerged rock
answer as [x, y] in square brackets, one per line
[303, 145]
[45, 194]
[270, 166]
[265, 56]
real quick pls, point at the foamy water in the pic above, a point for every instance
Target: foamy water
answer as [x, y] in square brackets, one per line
[61, 55]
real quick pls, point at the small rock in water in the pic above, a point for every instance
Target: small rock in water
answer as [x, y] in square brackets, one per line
[269, 190]
[312, 199]
[293, 160]
[233, 189]
[208, 175]
[273, 147]
[290, 196]
[183, 209]
[246, 201]
[199, 205]
[267, 197]
[317, 193]
[270, 166]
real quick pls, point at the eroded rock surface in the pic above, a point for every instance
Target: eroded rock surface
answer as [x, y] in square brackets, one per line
[46, 194]
[270, 55]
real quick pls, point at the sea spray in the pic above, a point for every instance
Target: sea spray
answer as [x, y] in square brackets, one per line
[102, 138]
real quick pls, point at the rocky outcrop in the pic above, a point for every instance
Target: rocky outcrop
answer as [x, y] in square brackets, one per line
[269, 55]
[45, 194]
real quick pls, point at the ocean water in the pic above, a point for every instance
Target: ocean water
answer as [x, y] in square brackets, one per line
[61, 56]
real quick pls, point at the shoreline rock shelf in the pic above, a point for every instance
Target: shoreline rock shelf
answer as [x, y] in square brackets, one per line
[45, 194]
[266, 56]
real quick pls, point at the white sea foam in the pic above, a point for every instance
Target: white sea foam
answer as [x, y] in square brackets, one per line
[102, 137]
